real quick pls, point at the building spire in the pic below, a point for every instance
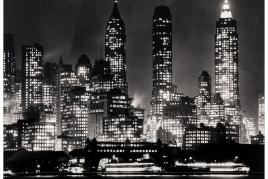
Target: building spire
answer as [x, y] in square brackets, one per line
[226, 12]
[115, 12]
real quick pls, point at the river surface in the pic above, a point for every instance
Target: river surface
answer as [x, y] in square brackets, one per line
[142, 177]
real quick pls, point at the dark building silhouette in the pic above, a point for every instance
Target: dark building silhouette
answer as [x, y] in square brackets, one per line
[257, 139]
[83, 70]
[196, 136]
[11, 137]
[115, 49]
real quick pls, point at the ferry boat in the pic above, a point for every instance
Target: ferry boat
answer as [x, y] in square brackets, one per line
[214, 167]
[132, 167]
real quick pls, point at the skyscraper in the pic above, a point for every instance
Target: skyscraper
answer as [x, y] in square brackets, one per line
[17, 113]
[204, 97]
[83, 70]
[115, 49]
[74, 117]
[261, 117]
[162, 59]
[9, 65]
[226, 64]
[32, 75]
[50, 91]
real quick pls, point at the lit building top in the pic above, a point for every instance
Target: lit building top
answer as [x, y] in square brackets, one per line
[226, 13]
[227, 65]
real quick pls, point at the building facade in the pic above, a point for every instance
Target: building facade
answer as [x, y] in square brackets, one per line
[162, 60]
[32, 75]
[83, 71]
[178, 115]
[261, 118]
[196, 136]
[74, 121]
[9, 67]
[226, 64]
[115, 49]
[37, 135]
[203, 98]
[11, 137]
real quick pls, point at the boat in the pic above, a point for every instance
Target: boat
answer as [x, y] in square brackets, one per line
[132, 167]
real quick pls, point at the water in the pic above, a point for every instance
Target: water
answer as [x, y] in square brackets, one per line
[142, 177]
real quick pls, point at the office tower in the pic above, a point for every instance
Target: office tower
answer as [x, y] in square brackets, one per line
[62, 78]
[119, 123]
[250, 128]
[49, 102]
[215, 110]
[50, 91]
[162, 60]
[102, 82]
[50, 73]
[139, 113]
[261, 118]
[74, 117]
[37, 135]
[9, 65]
[203, 98]
[66, 80]
[11, 137]
[226, 64]
[177, 116]
[32, 75]
[115, 49]
[232, 132]
[83, 70]
[17, 113]
[196, 136]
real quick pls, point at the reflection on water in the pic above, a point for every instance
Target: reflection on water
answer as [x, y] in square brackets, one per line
[143, 176]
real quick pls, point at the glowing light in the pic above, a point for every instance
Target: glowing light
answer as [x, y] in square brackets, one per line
[132, 167]
[226, 13]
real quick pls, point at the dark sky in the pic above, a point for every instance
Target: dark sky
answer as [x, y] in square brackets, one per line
[74, 27]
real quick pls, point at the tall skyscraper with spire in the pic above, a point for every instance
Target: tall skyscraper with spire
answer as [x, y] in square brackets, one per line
[115, 48]
[162, 59]
[226, 64]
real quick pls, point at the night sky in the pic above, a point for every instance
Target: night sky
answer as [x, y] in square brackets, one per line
[74, 27]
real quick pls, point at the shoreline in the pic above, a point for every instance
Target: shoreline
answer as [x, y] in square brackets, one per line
[134, 174]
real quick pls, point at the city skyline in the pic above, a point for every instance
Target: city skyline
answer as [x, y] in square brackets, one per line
[81, 105]
[184, 77]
